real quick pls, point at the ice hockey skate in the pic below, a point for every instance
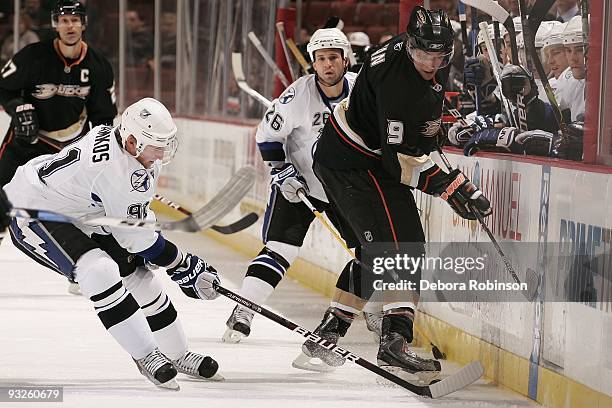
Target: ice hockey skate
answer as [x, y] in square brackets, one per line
[395, 357]
[238, 325]
[315, 357]
[198, 366]
[159, 370]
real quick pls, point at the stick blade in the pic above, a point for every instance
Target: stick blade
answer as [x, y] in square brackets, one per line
[461, 379]
[491, 8]
[243, 223]
[226, 199]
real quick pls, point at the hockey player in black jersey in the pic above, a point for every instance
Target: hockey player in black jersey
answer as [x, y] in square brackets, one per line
[373, 152]
[54, 91]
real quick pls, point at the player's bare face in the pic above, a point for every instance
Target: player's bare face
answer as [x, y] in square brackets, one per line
[427, 63]
[575, 58]
[329, 66]
[70, 29]
[556, 60]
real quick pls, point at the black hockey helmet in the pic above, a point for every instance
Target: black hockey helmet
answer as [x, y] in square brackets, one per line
[430, 31]
[68, 7]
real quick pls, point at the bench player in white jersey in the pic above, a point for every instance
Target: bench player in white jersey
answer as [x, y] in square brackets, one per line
[113, 171]
[285, 137]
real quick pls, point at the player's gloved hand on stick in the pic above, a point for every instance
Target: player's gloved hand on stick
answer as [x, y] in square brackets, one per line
[516, 80]
[5, 207]
[25, 120]
[458, 191]
[473, 73]
[569, 145]
[459, 133]
[289, 181]
[195, 277]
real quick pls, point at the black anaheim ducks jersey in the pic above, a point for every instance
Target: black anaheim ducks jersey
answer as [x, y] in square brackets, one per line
[392, 110]
[65, 93]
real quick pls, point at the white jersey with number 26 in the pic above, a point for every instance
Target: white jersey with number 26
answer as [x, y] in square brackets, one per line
[295, 120]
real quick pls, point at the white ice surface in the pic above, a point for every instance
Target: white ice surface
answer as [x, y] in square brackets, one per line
[50, 337]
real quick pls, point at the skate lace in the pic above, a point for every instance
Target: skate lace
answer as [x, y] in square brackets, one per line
[153, 361]
[189, 363]
[243, 315]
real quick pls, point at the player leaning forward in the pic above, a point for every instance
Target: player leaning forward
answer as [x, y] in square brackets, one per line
[372, 153]
[285, 137]
[113, 171]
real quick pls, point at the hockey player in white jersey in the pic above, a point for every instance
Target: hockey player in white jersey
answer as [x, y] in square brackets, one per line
[572, 95]
[285, 137]
[113, 171]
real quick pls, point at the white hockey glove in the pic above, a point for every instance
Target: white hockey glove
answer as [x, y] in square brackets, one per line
[196, 278]
[289, 181]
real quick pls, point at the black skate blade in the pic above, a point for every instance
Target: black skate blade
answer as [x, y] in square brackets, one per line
[304, 362]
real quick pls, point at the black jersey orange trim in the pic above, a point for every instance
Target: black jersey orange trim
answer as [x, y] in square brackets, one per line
[348, 141]
[384, 202]
[6, 142]
[78, 61]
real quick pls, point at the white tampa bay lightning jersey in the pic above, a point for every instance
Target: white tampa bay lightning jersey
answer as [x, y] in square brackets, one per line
[570, 93]
[94, 176]
[294, 123]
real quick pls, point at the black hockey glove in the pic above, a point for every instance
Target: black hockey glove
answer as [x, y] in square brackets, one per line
[570, 144]
[195, 277]
[517, 80]
[25, 120]
[457, 190]
[5, 208]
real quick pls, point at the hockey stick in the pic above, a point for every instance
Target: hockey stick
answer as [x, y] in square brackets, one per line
[496, 35]
[474, 33]
[463, 20]
[500, 14]
[237, 226]
[262, 51]
[497, 74]
[532, 279]
[280, 27]
[222, 203]
[439, 355]
[461, 379]
[241, 81]
[306, 67]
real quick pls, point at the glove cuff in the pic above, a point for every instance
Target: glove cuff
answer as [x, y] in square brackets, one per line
[11, 106]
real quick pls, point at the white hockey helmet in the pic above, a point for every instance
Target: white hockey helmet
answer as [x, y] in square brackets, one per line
[325, 38]
[573, 31]
[151, 124]
[359, 38]
[555, 37]
[545, 29]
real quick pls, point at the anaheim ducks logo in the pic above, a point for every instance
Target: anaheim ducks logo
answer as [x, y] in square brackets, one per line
[431, 128]
[46, 91]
